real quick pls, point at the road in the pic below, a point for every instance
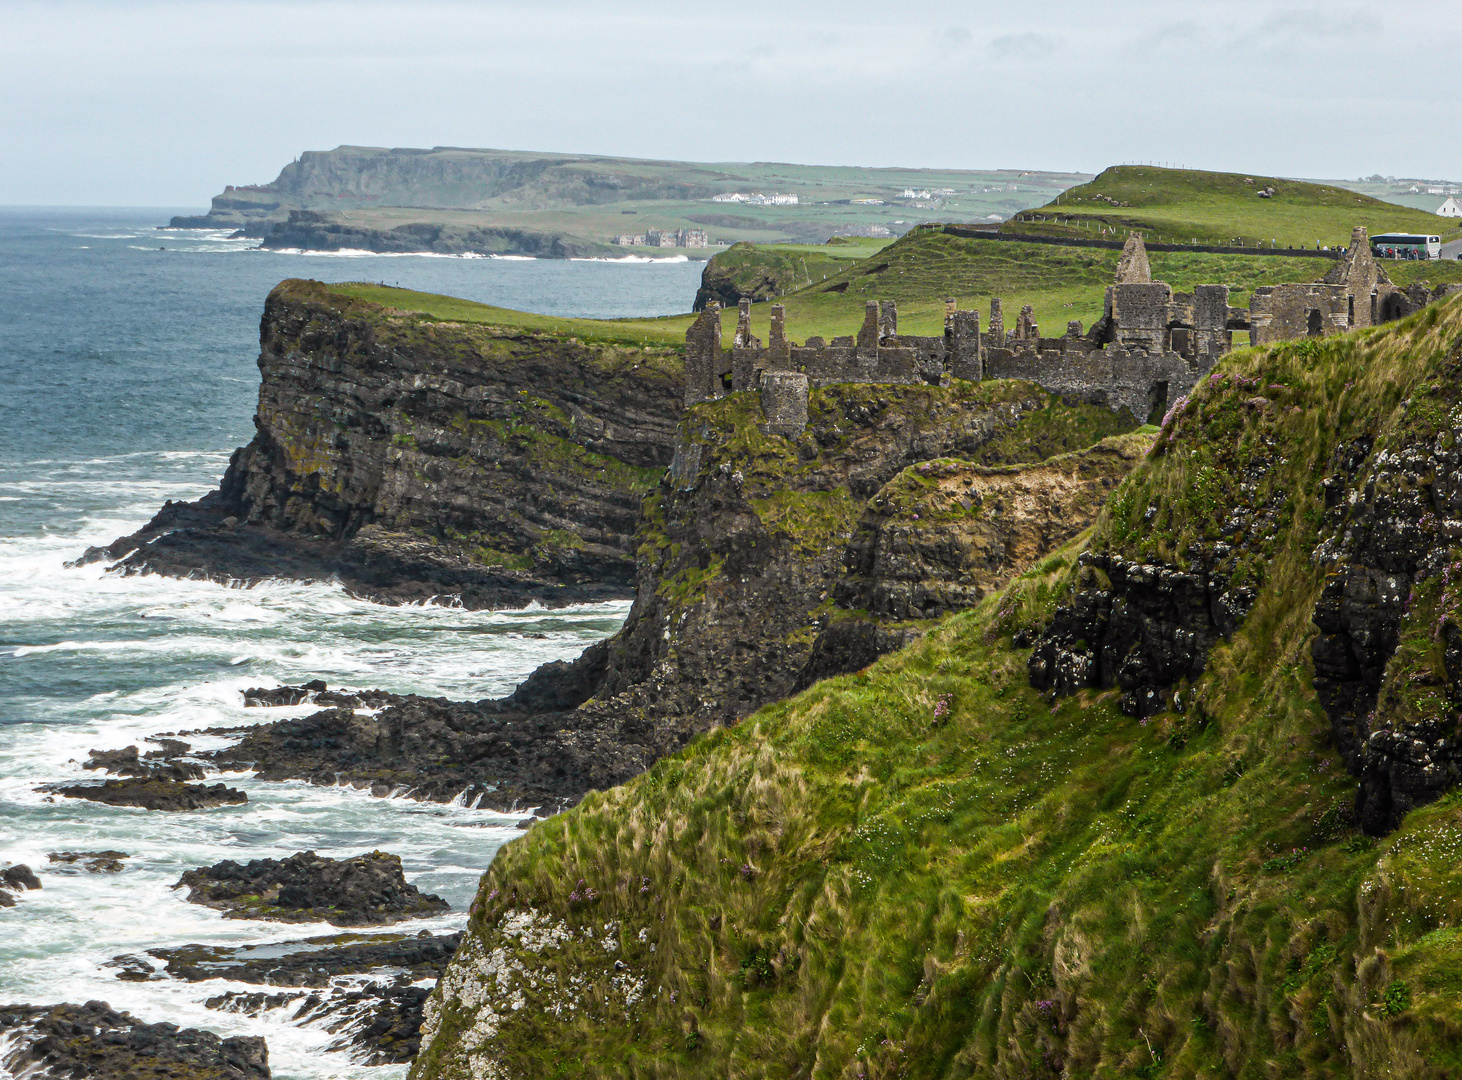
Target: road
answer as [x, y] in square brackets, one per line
[1452, 250]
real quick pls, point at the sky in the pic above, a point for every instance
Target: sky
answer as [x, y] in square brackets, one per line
[162, 103]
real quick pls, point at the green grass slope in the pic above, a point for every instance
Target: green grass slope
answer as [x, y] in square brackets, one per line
[918, 270]
[1185, 206]
[929, 870]
[923, 267]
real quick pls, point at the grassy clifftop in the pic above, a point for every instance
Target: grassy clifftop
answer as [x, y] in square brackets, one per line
[928, 869]
[1191, 206]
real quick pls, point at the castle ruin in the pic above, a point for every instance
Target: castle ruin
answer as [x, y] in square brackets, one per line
[1150, 346]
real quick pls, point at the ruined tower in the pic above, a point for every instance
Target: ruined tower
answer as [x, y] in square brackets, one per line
[1133, 267]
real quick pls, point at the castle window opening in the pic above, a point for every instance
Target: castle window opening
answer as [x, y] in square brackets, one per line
[1314, 327]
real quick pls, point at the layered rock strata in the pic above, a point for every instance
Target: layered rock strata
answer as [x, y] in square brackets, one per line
[740, 550]
[410, 458]
[945, 534]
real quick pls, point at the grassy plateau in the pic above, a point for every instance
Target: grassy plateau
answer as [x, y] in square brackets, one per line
[928, 869]
[1183, 206]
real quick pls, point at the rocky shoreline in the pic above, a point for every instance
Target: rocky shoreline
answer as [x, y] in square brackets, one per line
[776, 562]
[65, 1042]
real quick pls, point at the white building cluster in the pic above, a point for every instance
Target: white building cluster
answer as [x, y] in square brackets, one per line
[756, 198]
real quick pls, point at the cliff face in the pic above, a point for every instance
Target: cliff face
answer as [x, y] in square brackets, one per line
[740, 549]
[312, 230]
[415, 458]
[946, 534]
[356, 177]
[744, 545]
[1155, 865]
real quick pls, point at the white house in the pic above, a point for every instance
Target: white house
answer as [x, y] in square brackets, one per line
[1450, 208]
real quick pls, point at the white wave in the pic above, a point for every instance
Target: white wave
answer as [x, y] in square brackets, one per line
[635, 260]
[361, 253]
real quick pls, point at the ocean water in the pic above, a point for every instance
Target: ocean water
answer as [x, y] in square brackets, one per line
[127, 376]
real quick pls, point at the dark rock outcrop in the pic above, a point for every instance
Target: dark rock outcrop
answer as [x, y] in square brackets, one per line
[15, 879]
[153, 794]
[313, 962]
[128, 762]
[366, 890]
[1394, 513]
[741, 548]
[497, 754]
[96, 862]
[378, 1023]
[96, 1042]
[411, 458]
[362, 989]
[1151, 629]
[19, 877]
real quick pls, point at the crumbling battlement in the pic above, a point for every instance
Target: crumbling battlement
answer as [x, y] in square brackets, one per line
[1150, 346]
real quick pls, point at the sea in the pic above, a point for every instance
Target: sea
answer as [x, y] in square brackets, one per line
[127, 376]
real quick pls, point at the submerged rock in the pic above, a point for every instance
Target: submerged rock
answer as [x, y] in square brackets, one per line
[362, 891]
[128, 762]
[378, 1019]
[15, 879]
[96, 862]
[80, 1042]
[153, 794]
[311, 962]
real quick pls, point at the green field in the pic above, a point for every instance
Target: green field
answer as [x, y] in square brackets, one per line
[596, 198]
[918, 271]
[1185, 206]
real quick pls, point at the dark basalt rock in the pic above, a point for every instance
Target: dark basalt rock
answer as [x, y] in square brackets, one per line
[15, 879]
[153, 794]
[96, 862]
[19, 877]
[436, 749]
[380, 1018]
[381, 1021]
[455, 456]
[81, 1042]
[312, 962]
[362, 891]
[314, 692]
[128, 762]
[1393, 515]
[259, 697]
[1152, 629]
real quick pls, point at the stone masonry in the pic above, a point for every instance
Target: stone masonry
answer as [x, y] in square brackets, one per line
[1150, 346]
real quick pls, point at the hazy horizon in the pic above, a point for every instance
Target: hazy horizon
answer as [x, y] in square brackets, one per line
[152, 104]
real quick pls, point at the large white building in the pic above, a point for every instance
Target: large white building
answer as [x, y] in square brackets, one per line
[756, 198]
[1450, 208]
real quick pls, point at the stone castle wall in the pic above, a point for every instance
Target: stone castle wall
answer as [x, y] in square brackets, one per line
[1150, 346]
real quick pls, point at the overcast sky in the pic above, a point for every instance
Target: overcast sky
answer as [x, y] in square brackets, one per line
[158, 103]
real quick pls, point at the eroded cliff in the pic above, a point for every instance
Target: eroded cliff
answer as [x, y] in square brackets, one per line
[413, 457]
[740, 547]
[1158, 866]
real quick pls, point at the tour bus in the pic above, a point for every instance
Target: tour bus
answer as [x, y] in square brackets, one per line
[1406, 246]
